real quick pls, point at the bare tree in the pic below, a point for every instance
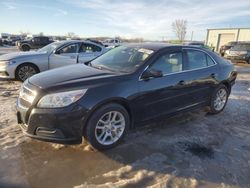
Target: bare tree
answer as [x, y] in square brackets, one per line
[180, 29]
[71, 35]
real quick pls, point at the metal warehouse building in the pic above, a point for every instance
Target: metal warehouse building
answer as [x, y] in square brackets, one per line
[218, 37]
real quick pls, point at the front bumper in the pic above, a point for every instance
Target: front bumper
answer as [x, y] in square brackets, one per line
[7, 71]
[64, 125]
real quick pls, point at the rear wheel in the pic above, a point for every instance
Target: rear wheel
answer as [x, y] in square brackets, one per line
[107, 126]
[25, 71]
[219, 99]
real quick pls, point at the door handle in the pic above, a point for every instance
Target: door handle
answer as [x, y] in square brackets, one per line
[182, 82]
[213, 75]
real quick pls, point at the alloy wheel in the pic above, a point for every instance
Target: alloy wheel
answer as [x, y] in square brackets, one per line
[220, 99]
[25, 72]
[110, 128]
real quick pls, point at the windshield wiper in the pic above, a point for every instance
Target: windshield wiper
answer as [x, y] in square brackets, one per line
[102, 67]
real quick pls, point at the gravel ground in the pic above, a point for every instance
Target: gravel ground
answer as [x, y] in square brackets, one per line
[193, 149]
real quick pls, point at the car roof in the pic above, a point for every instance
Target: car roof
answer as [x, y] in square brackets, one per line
[151, 46]
[158, 46]
[72, 41]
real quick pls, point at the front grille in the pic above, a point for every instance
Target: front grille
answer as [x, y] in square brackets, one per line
[26, 96]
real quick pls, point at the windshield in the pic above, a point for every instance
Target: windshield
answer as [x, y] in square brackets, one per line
[231, 43]
[122, 59]
[50, 47]
[242, 47]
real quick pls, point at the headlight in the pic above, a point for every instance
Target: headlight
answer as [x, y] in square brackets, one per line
[10, 62]
[6, 63]
[27, 94]
[62, 99]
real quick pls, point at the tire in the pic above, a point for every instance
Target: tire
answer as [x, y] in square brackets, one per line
[25, 48]
[99, 126]
[219, 105]
[25, 71]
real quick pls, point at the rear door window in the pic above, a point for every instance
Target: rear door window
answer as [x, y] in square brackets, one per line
[198, 59]
[89, 48]
[210, 62]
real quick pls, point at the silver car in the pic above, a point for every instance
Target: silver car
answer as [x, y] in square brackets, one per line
[22, 65]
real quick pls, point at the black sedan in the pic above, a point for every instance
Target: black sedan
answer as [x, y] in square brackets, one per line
[122, 89]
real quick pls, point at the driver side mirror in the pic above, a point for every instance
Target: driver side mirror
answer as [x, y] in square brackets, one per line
[56, 52]
[151, 73]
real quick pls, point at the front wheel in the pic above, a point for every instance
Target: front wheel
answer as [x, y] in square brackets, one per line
[219, 99]
[25, 48]
[25, 71]
[107, 126]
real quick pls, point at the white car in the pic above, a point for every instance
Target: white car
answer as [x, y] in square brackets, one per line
[112, 43]
[22, 65]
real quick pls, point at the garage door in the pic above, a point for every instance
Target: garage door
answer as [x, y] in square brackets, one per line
[225, 38]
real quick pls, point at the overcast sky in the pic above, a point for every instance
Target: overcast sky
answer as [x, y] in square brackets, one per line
[150, 19]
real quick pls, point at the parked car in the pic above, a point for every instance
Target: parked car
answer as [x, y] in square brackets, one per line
[122, 89]
[11, 40]
[239, 52]
[58, 38]
[95, 41]
[22, 65]
[33, 43]
[112, 43]
[5, 39]
[1, 42]
[227, 47]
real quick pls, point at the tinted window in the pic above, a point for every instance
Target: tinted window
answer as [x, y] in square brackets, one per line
[44, 39]
[72, 48]
[243, 47]
[36, 39]
[196, 59]
[231, 43]
[89, 48]
[209, 61]
[169, 63]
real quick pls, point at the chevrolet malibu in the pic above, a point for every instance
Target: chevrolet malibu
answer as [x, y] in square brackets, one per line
[126, 87]
[22, 65]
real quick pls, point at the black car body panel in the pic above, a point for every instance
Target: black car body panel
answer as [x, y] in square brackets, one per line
[34, 43]
[145, 100]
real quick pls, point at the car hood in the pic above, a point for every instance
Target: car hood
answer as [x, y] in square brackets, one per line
[69, 76]
[15, 55]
